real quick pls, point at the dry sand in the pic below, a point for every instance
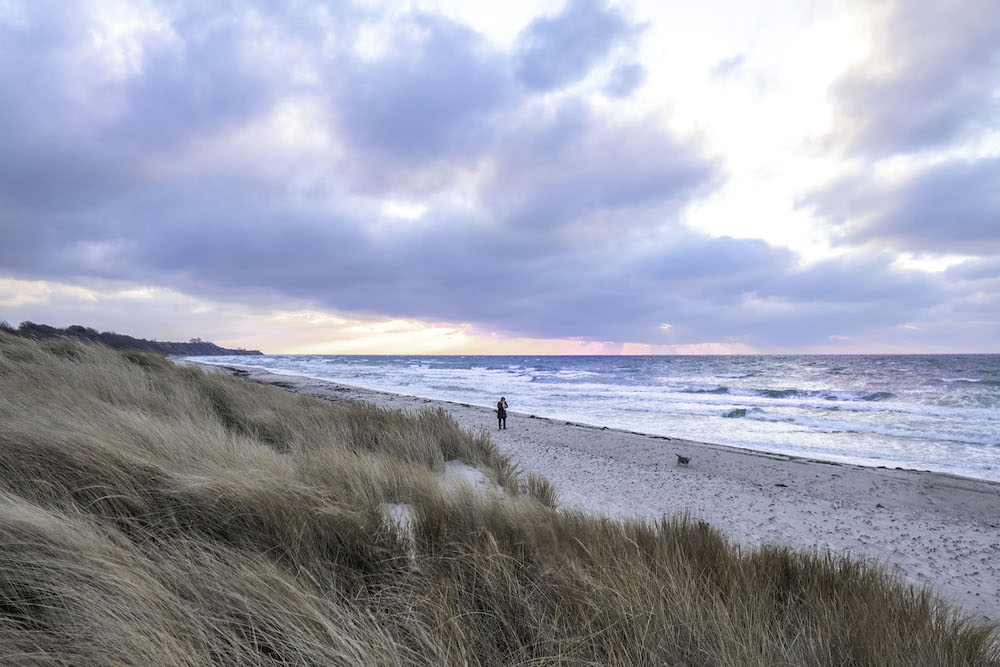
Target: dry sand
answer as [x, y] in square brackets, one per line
[932, 528]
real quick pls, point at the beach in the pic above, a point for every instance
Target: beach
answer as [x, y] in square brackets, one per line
[930, 528]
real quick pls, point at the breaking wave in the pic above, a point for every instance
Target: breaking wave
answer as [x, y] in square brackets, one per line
[823, 394]
[933, 411]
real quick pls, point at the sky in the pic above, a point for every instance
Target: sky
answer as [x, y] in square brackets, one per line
[549, 177]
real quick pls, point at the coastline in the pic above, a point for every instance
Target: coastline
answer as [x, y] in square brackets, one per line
[929, 527]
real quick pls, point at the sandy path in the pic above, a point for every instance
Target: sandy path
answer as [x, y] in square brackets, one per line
[930, 527]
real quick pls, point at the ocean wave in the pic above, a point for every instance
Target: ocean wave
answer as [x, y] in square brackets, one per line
[575, 374]
[950, 404]
[540, 385]
[827, 394]
[714, 403]
[779, 393]
[717, 390]
[877, 395]
[823, 394]
[736, 413]
[836, 426]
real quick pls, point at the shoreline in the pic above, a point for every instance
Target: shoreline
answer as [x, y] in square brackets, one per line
[253, 370]
[931, 528]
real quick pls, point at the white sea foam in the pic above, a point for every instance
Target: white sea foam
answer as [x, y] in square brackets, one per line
[838, 406]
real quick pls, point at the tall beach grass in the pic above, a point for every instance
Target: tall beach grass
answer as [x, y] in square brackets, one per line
[155, 514]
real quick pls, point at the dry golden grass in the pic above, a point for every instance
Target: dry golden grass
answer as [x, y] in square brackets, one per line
[156, 514]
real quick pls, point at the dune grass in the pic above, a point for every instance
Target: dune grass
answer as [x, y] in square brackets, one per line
[157, 514]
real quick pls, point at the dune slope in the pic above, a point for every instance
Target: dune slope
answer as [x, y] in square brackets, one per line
[157, 514]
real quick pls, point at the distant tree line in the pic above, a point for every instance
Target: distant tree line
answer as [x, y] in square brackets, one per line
[196, 347]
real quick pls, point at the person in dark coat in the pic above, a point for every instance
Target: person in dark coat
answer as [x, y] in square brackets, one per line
[501, 413]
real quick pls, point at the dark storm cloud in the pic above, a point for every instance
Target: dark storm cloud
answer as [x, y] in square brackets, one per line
[555, 51]
[71, 130]
[607, 288]
[855, 281]
[571, 168]
[215, 81]
[934, 76]
[951, 207]
[39, 123]
[732, 285]
[566, 223]
[433, 97]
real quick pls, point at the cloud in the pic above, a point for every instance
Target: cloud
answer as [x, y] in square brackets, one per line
[933, 77]
[556, 51]
[728, 66]
[226, 243]
[625, 80]
[975, 269]
[252, 157]
[570, 167]
[433, 97]
[94, 94]
[744, 289]
[715, 289]
[928, 92]
[953, 206]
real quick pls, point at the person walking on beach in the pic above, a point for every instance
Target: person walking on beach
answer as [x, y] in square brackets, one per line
[502, 413]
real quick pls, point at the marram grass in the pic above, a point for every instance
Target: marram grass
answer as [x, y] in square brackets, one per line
[153, 514]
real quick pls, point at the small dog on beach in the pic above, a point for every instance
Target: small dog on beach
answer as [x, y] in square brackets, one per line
[682, 460]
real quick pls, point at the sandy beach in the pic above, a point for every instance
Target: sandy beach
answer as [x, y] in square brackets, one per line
[930, 528]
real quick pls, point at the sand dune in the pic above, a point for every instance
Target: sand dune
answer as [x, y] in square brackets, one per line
[929, 527]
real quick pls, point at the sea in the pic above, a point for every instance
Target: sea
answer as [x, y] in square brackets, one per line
[925, 412]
